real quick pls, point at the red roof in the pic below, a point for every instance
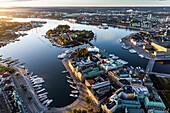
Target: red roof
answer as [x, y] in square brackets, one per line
[6, 74]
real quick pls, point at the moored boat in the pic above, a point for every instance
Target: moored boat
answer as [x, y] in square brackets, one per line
[75, 91]
[43, 98]
[72, 95]
[49, 102]
[132, 51]
[141, 55]
[72, 86]
[45, 101]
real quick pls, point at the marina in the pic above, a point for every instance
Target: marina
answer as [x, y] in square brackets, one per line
[46, 64]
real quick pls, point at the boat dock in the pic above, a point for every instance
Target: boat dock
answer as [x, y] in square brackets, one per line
[147, 55]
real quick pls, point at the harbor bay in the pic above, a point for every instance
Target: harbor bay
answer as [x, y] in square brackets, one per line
[41, 57]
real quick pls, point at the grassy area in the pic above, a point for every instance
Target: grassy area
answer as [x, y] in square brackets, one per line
[159, 83]
[166, 97]
[69, 37]
[10, 70]
[168, 79]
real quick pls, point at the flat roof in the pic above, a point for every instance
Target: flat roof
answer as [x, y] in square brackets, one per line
[132, 110]
[164, 44]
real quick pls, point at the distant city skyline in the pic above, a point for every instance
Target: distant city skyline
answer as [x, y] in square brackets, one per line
[33, 3]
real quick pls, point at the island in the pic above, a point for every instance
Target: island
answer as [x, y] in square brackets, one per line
[63, 36]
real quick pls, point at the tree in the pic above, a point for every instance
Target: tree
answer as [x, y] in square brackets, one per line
[99, 110]
[78, 110]
[74, 110]
[87, 99]
[17, 73]
[90, 110]
[25, 89]
[29, 98]
[83, 111]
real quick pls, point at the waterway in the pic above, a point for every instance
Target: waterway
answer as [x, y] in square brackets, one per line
[41, 57]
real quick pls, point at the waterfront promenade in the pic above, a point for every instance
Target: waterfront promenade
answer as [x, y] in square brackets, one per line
[33, 106]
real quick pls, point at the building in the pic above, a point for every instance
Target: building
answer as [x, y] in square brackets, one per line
[98, 88]
[123, 98]
[154, 101]
[162, 48]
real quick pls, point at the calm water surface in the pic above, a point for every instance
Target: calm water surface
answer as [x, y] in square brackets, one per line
[41, 57]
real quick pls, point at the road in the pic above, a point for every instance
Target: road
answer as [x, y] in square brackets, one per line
[34, 106]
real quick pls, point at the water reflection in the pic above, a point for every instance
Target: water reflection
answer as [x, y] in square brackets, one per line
[41, 57]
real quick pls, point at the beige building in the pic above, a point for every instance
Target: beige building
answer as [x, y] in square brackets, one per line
[163, 48]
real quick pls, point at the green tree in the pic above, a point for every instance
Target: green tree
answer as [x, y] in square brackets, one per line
[25, 89]
[78, 110]
[29, 98]
[74, 110]
[90, 110]
[87, 99]
[17, 73]
[99, 110]
[83, 111]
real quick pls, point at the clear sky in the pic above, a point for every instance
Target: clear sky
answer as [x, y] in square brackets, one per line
[8, 3]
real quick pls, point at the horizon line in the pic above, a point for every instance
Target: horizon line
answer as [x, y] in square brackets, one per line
[90, 6]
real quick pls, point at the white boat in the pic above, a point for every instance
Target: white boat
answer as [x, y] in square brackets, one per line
[120, 40]
[43, 94]
[33, 77]
[39, 85]
[38, 82]
[69, 81]
[45, 101]
[43, 98]
[38, 88]
[68, 51]
[38, 78]
[125, 47]
[41, 90]
[75, 91]
[72, 95]
[84, 22]
[64, 71]
[141, 55]
[54, 43]
[62, 56]
[113, 56]
[122, 61]
[103, 26]
[72, 86]
[132, 51]
[49, 102]
[31, 74]
[68, 77]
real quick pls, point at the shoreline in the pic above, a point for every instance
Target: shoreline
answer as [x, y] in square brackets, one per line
[147, 55]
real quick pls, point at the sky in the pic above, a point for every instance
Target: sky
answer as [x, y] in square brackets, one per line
[47, 3]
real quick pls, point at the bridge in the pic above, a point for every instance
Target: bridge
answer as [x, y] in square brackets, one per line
[150, 66]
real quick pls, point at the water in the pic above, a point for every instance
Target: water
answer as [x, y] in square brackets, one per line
[162, 67]
[41, 57]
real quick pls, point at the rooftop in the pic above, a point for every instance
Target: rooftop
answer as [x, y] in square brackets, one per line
[164, 44]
